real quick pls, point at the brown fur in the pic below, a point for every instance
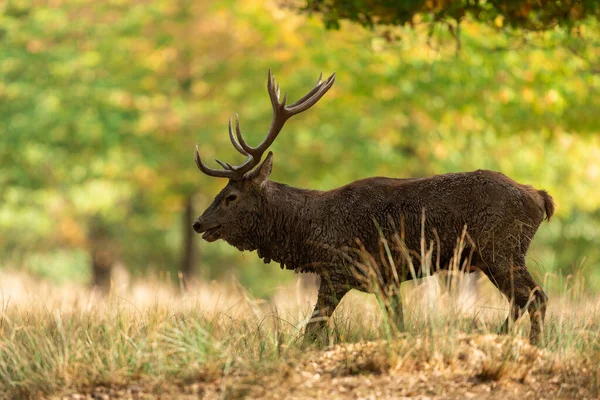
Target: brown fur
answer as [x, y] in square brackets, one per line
[318, 231]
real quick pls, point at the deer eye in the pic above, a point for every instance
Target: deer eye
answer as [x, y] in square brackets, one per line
[230, 198]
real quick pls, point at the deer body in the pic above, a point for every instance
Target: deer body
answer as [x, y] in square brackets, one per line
[300, 229]
[321, 231]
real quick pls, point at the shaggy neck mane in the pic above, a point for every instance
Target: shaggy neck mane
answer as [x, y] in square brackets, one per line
[283, 233]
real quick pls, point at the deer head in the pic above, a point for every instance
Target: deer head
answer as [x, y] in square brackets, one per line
[235, 212]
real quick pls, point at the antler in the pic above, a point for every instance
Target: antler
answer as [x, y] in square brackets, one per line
[281, 113]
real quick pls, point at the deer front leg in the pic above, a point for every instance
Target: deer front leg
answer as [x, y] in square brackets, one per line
[327, 300]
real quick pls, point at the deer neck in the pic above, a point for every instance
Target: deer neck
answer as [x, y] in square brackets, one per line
[285, 234]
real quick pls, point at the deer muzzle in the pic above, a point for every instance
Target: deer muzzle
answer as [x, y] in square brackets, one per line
[211, 232]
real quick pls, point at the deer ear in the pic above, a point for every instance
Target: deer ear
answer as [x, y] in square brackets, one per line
[260, 174]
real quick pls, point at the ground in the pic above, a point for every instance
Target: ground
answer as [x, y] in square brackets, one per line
[147, 341]
[479, 367]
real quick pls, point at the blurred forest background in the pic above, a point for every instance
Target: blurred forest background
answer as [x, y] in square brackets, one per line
[101, 103]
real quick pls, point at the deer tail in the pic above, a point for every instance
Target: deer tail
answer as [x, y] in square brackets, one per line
[548, 203]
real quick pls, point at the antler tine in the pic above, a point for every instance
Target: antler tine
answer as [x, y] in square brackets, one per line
[309, 101]
[246, 166]
[314, 90]
[212, 172]
[235, 143]
[225, 165]
[238, 132]
[271, 89]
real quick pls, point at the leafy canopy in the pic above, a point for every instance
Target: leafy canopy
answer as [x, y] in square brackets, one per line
[526, 14]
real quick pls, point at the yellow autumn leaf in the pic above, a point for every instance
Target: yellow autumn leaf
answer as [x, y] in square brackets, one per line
[499, 21]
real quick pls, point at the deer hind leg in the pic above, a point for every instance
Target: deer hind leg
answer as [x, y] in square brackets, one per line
[516, 283]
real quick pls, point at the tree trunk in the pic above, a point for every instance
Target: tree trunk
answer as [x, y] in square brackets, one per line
[103, 254]
[189, 251]
[101, 270]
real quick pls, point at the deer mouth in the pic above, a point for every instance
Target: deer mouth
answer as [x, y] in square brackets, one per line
[212, 234]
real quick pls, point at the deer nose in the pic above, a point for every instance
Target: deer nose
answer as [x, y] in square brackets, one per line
[197, 227]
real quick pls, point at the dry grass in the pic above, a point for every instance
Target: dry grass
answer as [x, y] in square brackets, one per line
[150, 340]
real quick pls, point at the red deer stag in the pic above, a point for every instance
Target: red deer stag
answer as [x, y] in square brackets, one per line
[315, 231]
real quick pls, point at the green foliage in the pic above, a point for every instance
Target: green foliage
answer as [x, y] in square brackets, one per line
[102, 104]
[528, 14]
